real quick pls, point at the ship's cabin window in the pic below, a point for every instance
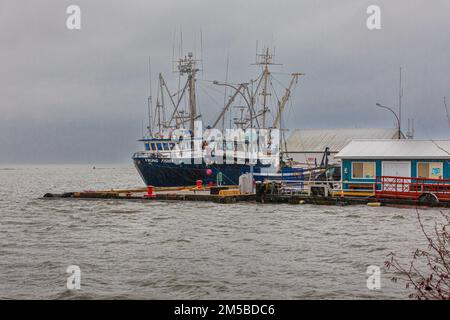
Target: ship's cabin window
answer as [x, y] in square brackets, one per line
[147, 147]
[153, 146]
[159, 146]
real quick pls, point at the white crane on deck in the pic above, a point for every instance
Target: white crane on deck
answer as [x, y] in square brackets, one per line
[281, 104]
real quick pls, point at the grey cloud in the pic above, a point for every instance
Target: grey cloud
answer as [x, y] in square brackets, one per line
[80, 96]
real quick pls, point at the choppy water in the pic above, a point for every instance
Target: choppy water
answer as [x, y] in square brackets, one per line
[156, 250]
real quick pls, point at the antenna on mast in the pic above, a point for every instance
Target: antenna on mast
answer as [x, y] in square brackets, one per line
[225, 92]
[201, 49]
[173, 49]
[149, 100]
[180, 54]
[446, 112]
[400, 96]
[181, 41]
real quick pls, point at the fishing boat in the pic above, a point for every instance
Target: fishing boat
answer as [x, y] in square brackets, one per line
[178, 152]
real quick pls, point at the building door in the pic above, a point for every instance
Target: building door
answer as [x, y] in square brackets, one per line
[396, 169]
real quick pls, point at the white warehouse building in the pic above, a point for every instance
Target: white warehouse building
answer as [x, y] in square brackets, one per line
[306, 146]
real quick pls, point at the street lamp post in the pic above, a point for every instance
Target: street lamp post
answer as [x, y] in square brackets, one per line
[396, 117]
[217, 83]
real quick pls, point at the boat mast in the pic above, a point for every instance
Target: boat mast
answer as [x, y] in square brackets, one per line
[158, 110]
[262, 89]
[192, 100]
[188, 65]
[264, 93]
[264, 59]
[163, 106]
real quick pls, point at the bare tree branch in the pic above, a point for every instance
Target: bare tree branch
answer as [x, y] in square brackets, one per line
[434, 281]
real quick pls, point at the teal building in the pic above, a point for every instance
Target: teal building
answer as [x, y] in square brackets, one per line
[364, 162]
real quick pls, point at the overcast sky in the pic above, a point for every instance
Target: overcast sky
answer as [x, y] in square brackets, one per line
[79, 96]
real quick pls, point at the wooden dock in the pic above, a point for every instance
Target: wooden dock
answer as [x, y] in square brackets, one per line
[160, 194]
[204, 194]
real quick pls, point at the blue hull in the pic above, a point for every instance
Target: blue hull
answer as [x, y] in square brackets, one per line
[160, 173]
[169, 174]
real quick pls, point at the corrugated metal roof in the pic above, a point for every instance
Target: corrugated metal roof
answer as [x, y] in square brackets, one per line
[396, 149]
[316, 140]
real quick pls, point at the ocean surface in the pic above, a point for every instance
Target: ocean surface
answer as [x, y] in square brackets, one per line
[187, 250]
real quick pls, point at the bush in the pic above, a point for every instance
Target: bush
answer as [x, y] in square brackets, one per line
[432, 281]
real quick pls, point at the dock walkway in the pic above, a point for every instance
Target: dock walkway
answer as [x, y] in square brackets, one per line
[205, 195]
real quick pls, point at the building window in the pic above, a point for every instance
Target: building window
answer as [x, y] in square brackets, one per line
[430, 170]
[363, 170]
